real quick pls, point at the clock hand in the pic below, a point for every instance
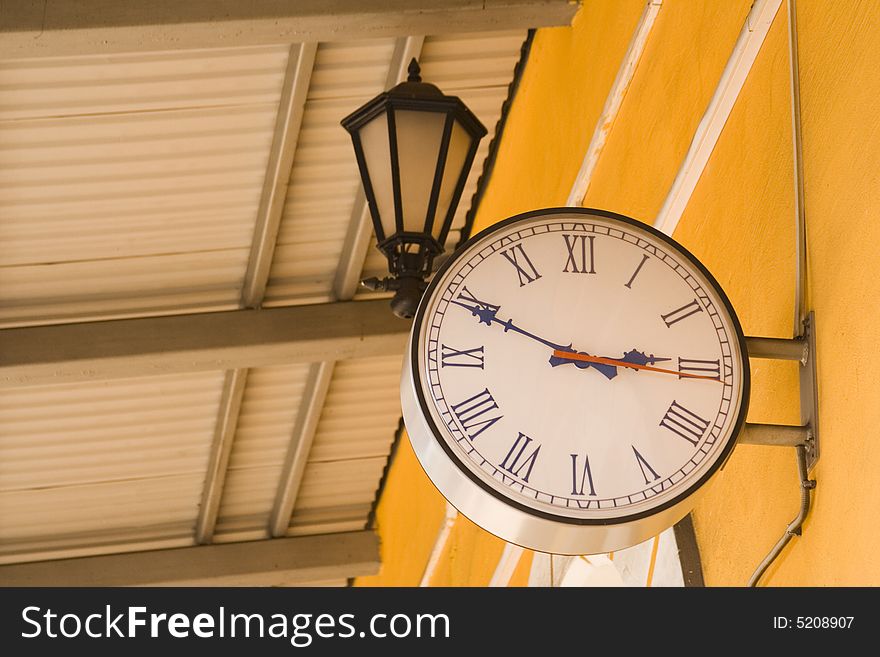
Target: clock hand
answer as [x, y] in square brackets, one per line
[631, 363]
[634, 357]
[566, 355]
[487, 314]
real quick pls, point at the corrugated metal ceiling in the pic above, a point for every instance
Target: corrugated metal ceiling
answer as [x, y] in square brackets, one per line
[266, 422]
[350, 448]
[324, 179]
[112, 465]
[129, 186]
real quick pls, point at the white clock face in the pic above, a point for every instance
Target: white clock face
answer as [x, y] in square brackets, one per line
[580, 367]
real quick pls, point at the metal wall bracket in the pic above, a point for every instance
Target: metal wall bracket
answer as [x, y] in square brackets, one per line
[803, 350]
[804, 438]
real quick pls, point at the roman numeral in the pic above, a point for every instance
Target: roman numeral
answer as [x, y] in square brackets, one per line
[636, 272]
[577, 254]
[702, 367]
[644, 465]
[450, 357]
[685, 423]
[518, 460]
[682, 313]
[586, 476]
[524, 268]
[474, 413]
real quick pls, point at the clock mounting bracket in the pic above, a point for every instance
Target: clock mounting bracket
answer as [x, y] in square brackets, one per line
[804, 437]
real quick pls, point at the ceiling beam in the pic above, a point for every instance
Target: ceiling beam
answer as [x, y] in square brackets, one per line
[84, 27]
[41, 355]
[276, 562]
[317, 385]
[300, 63]
[221, 447]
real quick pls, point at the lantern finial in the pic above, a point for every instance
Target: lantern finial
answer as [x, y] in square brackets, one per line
[414, 71]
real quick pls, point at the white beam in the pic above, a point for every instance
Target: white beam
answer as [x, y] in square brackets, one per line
[360, 228]
[83, 27]
[300, 63]
[317, 384]
[276, 562]
[66, 353]
[745, 51]
[613, 102]
[218, 459]
[439, 545]
[506, 565]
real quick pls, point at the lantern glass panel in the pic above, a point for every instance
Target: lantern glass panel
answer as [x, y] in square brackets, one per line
[419, 139]
[459, 146]
[377, 155]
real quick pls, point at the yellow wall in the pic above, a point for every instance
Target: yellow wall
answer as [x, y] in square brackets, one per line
[676, 77]
[740, 223]
[756, 496]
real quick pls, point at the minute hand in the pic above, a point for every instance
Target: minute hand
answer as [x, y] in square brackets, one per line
[487, 314]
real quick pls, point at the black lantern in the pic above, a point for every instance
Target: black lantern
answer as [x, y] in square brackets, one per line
[414, 147]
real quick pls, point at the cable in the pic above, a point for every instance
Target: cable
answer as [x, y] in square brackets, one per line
[794, 527]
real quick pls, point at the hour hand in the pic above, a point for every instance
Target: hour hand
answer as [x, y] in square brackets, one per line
[608, 370]
[632, 359]
[640, 358]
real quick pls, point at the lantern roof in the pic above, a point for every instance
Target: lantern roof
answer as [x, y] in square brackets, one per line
[415, 94]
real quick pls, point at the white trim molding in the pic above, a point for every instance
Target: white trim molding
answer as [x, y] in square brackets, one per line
[740, 63]
[613, 102]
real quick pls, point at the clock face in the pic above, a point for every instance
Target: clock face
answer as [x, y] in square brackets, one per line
[580, 367]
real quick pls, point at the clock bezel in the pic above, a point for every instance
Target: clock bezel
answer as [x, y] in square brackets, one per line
[426, 415]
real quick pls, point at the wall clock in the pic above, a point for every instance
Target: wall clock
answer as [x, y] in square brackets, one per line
[573, 380]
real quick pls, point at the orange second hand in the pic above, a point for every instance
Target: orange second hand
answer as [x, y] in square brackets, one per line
[610, 361]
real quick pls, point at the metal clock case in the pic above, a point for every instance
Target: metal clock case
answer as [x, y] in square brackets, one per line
[573, 379]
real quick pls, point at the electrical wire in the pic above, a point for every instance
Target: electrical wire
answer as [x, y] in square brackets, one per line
[795, 526]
